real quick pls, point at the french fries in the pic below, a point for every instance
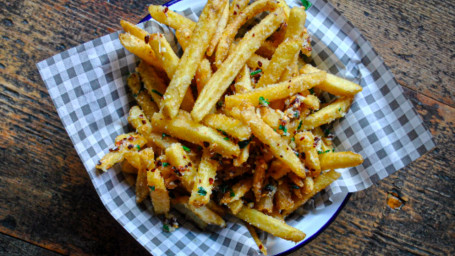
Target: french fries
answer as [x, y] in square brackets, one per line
[253, 147]
[186, 69]
[222, 78]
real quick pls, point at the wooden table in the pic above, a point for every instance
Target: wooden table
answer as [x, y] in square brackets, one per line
[49, 207]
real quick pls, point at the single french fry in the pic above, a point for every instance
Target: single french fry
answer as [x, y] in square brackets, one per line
[158, 192]
[160, 140]
[271, 116]
[257, 62]
[203, 74]
[203, 213]
[276, 144]
[283, 198]
[275, 91]
[203, 183]
[267, 49]
[133, 29]
[256, 239]
[338, 160]
[183, 127]
[152, 82]
[305, 143]
[236, 7]
[223, 77]
[270, 224]
[178, 158]
[235, 206]
[128, 168]
[258, 179]
[183, 36]
[334, 110]
[282, 57]
[312, 102]
[232, 28]
[138, 120]
[308, 185]
[139, 48]
[238, 191]
[142, 97]
[278, 169]
[334, 84]
[266, 203]
[219, 30]
[227, 125]
[296, 27]
[243, 81]
[164, 53]
[194, 53]
[168, 17]
[243, 157]
[123, 143]
[320, 183]
[141, 186]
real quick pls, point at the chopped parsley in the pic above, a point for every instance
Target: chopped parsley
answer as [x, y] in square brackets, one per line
[152, 188]
[257, 71]
[165, 164]
[232, 194]
[263, 101]
[283, 128]
[226, 138]
[138, 147]
[326, 132]
[323, 152]
[166, 228]
[311, 90]
[295, 186]
[306, 4]
[157, 92]
[292, 139]
[219, 104]
[187, 149]
[333, 150]
[297, 153]
[300, 125]
[223, 132]
[164, 135]
[339, 109]
[296, 114]
[269, 187]
[201, 191]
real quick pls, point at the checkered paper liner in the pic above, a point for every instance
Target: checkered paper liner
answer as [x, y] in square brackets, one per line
[88, 87]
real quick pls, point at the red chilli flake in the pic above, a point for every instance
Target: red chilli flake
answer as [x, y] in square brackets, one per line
[166, 9]
[260, 247]
[235, 13]
[253, 35]
[316, 140]
[147, 39]
[131, 138]
[130, 146]
[211, 181]
[144, 122]
[259, 63]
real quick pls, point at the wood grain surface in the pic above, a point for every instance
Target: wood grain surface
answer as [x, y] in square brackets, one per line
[48, 205]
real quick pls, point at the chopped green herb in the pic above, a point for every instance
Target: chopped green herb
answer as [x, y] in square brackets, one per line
[157, 92]
[223, 132]
[232, 194]
[333, 150]
[165, 164]
[295, 186]
[257, 71]
[201, 191]
[219, 104]
[300, 125]
[243, 143]
[306, 4]
[263, 101]
[283, 128]
[135, 95]
[339, 109]
[297, 153]
[138, 147]
[311, 90]
[226, 138]
[187, 149]
[323, 152]
[296, 114]
[152, 188]
[166, 228]
[292, 139]
[164, 135]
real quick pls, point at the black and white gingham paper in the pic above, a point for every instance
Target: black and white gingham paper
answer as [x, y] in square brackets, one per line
[88, 86]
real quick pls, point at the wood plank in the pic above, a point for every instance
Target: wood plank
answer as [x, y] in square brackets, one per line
[16, 247]
[415, 39]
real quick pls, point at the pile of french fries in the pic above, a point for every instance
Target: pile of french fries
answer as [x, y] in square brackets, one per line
[234, 125]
